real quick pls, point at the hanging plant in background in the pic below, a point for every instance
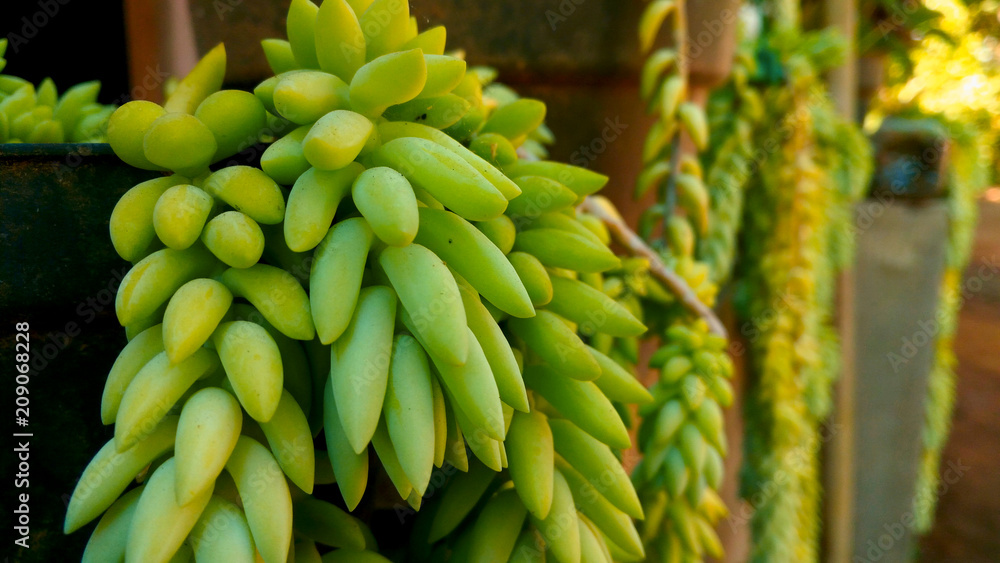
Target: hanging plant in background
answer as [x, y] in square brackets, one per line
[969, 174]
[734, 113]
[797, 234]
[785, 521]
[681, 436]
[936, 84]
[401, 274]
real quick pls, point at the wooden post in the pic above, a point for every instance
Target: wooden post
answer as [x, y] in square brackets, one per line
[838, 470]
[143, 42]
[843, 80]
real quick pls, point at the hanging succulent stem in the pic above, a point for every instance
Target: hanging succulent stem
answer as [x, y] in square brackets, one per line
[968, 176]
[623, 235]
[668, 189]
[681, 436]
[797, 209]
[734, 112]
[676, 177]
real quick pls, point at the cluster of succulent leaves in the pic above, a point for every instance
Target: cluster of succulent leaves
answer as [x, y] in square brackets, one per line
[418, 288]
[39, 114]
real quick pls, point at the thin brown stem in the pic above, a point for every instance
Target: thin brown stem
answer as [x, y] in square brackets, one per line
[668, 189]
[625, 236]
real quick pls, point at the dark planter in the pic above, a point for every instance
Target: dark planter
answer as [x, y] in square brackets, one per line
[57, 200]
[59, 274]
